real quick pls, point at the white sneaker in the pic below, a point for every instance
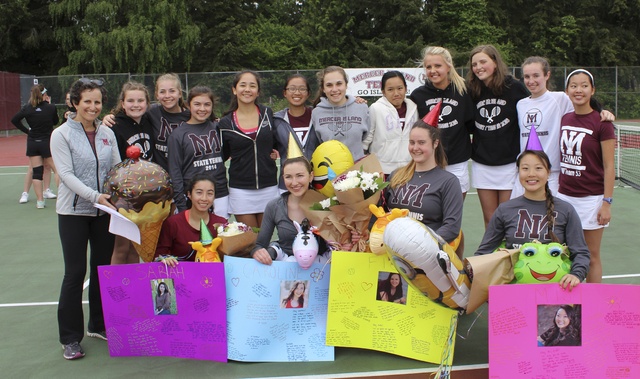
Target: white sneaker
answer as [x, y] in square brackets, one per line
[24, 197]
[40, 204]
[48, 194]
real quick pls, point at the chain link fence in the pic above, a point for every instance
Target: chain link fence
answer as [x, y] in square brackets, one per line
[617, 88]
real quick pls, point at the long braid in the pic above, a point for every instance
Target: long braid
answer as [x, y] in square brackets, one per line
[551, 220]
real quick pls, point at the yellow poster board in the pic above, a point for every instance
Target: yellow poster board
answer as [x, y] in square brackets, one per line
[370, 308]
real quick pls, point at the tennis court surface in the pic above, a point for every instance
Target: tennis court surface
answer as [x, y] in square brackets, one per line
[31, 274]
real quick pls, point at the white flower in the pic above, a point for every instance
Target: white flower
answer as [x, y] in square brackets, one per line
[232, 229]
[347, 184]
[352, 174]
[326, 203]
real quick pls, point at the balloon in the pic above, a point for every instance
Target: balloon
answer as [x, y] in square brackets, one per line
[376, 243]
[541, 263]
[332, 155]
[427, 262]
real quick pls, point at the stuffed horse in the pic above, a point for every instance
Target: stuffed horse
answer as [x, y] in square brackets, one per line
[427, 262]
[305, 245]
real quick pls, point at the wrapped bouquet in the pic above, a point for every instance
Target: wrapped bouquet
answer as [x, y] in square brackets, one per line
[348, 211]
[236, 238]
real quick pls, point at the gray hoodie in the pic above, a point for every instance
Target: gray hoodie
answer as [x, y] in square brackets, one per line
[348, 123]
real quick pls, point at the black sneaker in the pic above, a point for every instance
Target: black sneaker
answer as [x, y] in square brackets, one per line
[72, 350]
[102, 335]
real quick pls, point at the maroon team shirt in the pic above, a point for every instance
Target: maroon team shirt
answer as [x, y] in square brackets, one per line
[581, 167]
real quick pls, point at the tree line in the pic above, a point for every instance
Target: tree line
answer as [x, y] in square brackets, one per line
[67, 37]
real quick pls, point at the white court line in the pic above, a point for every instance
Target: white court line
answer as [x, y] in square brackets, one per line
[620, 276]
[381, 373]
[84, 286]
[15, 173]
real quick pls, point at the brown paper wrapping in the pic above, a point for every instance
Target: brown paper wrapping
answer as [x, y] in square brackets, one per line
[488, 270]
[351, 196]
[238, 245]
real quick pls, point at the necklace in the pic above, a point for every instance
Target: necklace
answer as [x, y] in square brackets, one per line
[421, 174]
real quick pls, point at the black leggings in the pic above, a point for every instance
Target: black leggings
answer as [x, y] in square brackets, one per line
[75, 233]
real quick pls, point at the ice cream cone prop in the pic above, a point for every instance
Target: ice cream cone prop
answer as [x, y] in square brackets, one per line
[142, 192]
[293, 150]
[432, 117]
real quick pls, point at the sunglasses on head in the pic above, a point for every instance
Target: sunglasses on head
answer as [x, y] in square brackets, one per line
[98, 82]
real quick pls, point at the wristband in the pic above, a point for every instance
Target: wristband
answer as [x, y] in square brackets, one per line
[608, 200]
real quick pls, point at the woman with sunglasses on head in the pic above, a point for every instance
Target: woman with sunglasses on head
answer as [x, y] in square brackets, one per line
[587, 173]
[295, 121]
[84, 151]
[40, 117]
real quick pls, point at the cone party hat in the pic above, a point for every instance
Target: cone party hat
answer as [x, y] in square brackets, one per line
[205, 235]
[431, 118]
[533, 142]
[293, 151]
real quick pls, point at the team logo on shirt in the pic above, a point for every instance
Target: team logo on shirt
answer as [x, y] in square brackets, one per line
[490, 109]
[410, 195]
[165, 129]
[571, 140]
[532, 117]
[204, 144]
[532, 226]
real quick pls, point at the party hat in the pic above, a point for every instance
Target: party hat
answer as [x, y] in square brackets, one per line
[205, 235]
[293, 150]
[533, 142]
[431, 118]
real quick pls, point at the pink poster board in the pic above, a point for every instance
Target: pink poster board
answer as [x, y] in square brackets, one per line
[154, 310]
[603, 343]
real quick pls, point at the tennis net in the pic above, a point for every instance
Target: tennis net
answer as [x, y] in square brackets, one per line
[628, 155]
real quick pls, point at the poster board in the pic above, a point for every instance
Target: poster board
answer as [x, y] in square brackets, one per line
[604, 343]
[192, 323]
[266, 327]
[359, 317]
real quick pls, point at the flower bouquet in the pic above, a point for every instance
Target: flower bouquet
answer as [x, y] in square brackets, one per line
[348, 211]
[236, 238]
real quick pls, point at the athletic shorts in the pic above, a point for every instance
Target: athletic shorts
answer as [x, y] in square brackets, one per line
[38, 148]
[587, 208]
[245, 201]
[461, 171]
[499, 178]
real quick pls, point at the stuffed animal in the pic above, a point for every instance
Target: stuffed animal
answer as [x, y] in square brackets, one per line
[207, 253]
[305, 245]
[541, 263]
[427, 262]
